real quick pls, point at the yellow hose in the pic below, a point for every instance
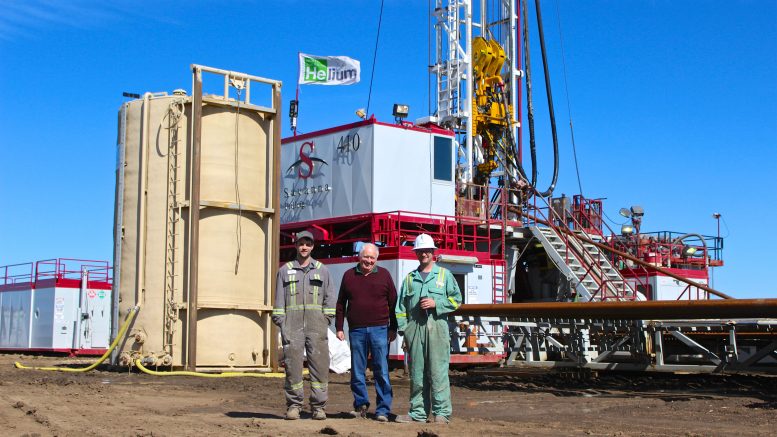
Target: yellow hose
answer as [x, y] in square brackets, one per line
[120, 335]
[130, 316]
[208, 375]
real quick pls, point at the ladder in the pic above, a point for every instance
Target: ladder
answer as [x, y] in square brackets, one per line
[498, 281]
[174, 115]
[452, 61]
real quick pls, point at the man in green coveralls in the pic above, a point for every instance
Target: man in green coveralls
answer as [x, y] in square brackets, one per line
[427, 295]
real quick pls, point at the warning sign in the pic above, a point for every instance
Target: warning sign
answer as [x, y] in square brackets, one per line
[101, 294]
[91, 294]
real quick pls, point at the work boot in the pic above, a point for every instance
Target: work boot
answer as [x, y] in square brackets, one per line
[381, 418]
[292, 413]
[405, 418]
[359, 413]
[441, 419]
[319, 414]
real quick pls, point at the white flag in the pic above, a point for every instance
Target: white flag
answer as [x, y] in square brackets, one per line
[328, 70]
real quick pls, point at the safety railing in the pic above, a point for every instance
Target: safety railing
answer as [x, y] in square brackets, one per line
[664, 248]
[497, 205]
[691, 292]
[57, 268]
[71, 268]
[395, 229]
[545, 212]
[588, 213]
[399, 228]
[14, 274]
[489, 203]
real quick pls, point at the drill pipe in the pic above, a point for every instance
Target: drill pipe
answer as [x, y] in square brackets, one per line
[634, 310]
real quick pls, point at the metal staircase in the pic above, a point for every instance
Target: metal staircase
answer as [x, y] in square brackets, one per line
[585, 267]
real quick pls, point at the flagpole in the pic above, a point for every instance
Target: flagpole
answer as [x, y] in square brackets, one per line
[297, 95]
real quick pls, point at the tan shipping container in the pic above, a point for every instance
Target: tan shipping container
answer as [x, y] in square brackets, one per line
[202, 277]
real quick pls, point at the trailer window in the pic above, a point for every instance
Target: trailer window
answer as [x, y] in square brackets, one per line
[443, 159]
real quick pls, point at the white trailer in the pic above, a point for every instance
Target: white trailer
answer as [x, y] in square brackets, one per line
[59, 305]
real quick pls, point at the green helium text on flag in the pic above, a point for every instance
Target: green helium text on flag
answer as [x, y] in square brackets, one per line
[328, 70]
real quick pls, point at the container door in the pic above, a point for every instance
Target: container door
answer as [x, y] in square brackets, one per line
[94, 319]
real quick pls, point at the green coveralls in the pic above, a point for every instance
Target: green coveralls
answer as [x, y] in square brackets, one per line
[304, 304]
[428, 339]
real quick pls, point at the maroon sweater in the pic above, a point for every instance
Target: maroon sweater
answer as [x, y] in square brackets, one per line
[367, 300]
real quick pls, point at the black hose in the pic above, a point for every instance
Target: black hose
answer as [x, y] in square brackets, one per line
[549, 191]
[511, 158]
[529, 104]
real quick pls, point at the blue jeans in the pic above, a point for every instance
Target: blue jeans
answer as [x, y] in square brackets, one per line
[372, 339]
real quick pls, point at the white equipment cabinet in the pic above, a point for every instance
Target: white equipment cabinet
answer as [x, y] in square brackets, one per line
[61, 305]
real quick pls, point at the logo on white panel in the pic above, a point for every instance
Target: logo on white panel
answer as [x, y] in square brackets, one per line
[306, 165]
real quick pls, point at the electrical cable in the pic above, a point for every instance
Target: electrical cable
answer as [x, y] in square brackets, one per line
[374, 57]
[511, 157]
[611, 220]
[239, 228]
[429, 57]
[728, 232]
[566, 92]
[127, 320]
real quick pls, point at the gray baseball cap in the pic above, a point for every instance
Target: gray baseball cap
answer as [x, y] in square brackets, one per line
[304, 234]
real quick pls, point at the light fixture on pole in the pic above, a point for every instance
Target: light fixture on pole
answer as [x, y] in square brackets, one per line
[293, 113]
[400, 112]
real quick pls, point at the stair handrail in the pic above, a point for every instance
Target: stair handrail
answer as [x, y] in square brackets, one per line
[558, 219]
[564, 237]
[641, 275]
[629, 257]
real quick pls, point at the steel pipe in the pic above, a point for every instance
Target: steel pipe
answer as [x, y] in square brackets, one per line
[650, 310]
[194, 220]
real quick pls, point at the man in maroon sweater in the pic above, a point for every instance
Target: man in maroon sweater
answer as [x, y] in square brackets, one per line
[367, 298]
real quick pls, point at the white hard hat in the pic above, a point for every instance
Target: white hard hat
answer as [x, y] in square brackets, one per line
[424, 241]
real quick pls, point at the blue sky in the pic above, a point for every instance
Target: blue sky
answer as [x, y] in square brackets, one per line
[674, 104]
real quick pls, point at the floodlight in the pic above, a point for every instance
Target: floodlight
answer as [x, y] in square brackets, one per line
[361, 113]
[627, 230]
[688, 251]
[400, 111]
[637, 211]
[625, 212]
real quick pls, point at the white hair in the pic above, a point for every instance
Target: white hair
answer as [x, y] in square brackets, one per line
[366, 246]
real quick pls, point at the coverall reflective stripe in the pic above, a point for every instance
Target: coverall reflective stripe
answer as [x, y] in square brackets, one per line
[304, 305]
[428, 338]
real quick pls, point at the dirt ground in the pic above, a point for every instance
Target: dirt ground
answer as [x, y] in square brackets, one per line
[119, 403]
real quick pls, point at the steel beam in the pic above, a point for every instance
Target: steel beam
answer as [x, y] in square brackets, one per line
[651, 310]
